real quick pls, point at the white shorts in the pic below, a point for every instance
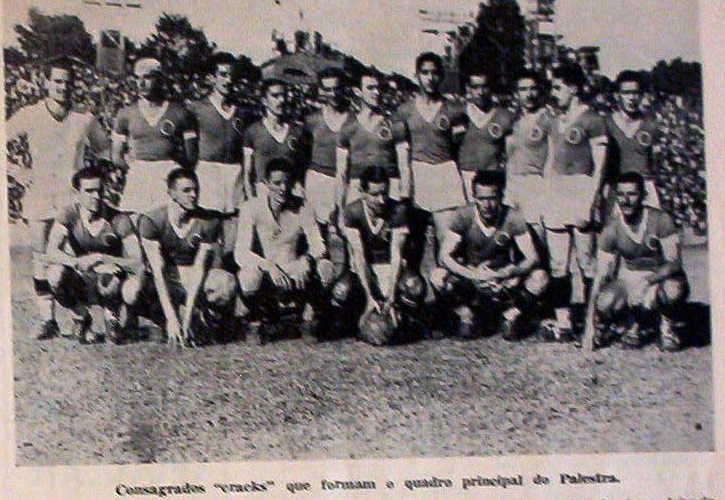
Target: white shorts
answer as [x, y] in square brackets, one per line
[639, 292]
[146, 185]
[41, 202]
[216, 184]
[439, 186]
[320, 191]
[567, 199]
[525, 193]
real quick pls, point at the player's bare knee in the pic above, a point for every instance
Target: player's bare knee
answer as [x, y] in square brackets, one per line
[412, 289]
[55, 275]
[131, 290]
[438, 278]
[220, 287]
[342, 291]
[610, 302]
[537, 282]
[325, 271]
[673, 292]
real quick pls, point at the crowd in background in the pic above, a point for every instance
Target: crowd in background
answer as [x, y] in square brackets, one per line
[680, 155]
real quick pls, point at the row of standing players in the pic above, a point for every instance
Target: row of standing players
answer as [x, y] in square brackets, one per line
[433, 156]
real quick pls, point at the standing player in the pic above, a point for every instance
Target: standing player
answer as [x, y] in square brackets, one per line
[483, 144]
[377, 228]
[273, 136]
[526, 151]
[492, 272]
[650, 280]
[93, 250]
[221, 127]
[157, 134]
[632, 135]
[56, 137]
[323, 128]
[279, 248]
[371, 139]
[573, 174]
[431, 122]
[182, 244]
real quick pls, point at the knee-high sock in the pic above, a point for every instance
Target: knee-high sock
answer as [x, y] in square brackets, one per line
[43, 296]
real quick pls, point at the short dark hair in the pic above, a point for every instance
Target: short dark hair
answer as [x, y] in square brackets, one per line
[429, 57]
[277, 165]
[180, 173]
[489, 178]
[630, 76]
[90, 172]
[570, 74]
[331, 72]
[529, 74]
[269, 82]
[222, 58]
[60, 62]
[368, 72]
[632, 178]
[373, 175]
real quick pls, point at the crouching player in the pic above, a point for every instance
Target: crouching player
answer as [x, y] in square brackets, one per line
[279, 250]
[491, 274]
[93, 250]
[182, 243]
[377, 229]
[650, 283]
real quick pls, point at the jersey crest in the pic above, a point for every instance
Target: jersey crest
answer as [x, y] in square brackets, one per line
[574, 136]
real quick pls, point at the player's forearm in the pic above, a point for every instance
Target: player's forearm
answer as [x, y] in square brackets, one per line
[459, 270]
[406, 177]
[517, 270]
[341, 178]
[666, 271]
[163, 291]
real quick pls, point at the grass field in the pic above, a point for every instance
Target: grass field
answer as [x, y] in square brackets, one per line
[107, 404]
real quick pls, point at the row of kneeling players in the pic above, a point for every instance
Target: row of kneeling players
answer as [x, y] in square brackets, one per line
[382, 269]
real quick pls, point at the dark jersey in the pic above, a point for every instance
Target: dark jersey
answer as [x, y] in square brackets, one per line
[637, 250]
[483, 144]
[324, 143]
[293, 147]
[159, 140]
[204, 227]
[497, 249]
[570, 148]
[376, 241]
[631, 153]
[527, 147]
[221, 133]
[371, 148]
[107, 239]
[432, 141]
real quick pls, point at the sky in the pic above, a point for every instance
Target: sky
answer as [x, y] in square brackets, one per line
[632, 34]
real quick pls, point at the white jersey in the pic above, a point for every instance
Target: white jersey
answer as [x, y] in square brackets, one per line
[54, 147]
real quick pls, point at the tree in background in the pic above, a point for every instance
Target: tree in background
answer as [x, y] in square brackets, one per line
[680, 78]
[49, 36]
[182, 49]
[498, 43]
